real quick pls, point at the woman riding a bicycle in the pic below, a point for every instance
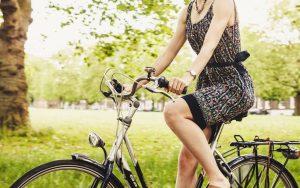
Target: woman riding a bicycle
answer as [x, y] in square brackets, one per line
[224, 88]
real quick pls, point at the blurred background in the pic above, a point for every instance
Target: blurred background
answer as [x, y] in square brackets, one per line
[53, 54]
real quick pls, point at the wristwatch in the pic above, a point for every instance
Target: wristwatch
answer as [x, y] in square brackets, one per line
[192, 73]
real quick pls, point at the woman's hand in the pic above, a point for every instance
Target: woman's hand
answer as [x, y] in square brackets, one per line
[177, 85]
[127, 88]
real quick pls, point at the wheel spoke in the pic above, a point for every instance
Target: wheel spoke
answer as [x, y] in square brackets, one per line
[247, 177]
[95, 182]
[267, 179]
[276, 180]
[240, 178]
[259, 177]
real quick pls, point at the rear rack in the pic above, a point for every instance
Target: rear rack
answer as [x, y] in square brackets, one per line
[240, 142]
[284, 147]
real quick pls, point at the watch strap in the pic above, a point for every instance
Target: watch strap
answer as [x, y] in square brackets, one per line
[192, 73]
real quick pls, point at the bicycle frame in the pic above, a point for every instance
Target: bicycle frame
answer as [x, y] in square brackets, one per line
[116, 155]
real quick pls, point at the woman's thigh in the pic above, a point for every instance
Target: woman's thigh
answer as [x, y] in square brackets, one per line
[178, 107]
[181, 107]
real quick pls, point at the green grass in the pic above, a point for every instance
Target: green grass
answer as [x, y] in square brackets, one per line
[59, 133]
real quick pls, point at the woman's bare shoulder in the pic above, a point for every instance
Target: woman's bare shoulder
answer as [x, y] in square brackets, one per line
[183, 15]
[223, 6]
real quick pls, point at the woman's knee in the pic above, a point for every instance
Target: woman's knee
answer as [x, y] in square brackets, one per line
[179, 107]
[171, 112]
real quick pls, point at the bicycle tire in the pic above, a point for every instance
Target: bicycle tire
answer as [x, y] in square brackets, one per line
[286, 177]
[94, 170]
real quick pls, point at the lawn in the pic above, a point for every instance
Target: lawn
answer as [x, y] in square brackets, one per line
[59, 133]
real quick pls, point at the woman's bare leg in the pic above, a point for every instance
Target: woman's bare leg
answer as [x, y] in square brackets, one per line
[187, 165]
[178, 118]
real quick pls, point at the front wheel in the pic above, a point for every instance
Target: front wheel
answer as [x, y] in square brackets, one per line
[248, 174]
[66, 173]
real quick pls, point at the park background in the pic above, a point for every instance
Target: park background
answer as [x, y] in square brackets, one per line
[49, 88]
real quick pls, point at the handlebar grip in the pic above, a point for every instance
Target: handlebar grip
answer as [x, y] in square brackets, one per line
[117, 85]
[184, 90]
[164, 83]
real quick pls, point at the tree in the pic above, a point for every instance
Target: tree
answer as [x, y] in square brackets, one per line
[13, 87]
[291, 10]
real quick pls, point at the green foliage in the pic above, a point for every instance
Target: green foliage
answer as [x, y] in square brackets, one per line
[116, 14]
[40, 75]
[65, 78]
[275, 68]
[124, 44]
[287, 9]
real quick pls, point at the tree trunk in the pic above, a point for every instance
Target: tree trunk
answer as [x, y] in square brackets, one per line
[297, 104]
[13, 86]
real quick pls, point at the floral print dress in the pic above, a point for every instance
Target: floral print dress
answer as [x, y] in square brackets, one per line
[224, 89]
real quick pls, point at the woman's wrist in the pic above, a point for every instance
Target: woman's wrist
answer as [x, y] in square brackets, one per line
[188, 79]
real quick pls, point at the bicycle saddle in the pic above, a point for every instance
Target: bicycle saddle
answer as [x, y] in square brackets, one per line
[240, 116]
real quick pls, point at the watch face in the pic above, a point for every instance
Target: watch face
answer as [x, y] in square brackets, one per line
[193, 73]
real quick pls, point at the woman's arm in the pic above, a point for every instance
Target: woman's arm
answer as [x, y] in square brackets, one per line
[175, 44]
[222, 10]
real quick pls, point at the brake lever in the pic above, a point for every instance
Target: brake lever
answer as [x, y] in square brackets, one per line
[167, 95]
[155, 90]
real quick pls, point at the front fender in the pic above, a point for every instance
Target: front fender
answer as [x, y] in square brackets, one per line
[82, 157]
[106, 169]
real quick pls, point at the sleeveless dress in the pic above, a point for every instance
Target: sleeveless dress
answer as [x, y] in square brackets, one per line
[224, 89]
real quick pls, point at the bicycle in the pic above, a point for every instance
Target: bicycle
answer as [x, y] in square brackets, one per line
[251, 170]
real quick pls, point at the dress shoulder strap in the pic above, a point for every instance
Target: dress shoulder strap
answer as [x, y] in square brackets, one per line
[189, 9]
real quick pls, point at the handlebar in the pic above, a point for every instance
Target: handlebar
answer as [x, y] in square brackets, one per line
[160, 82]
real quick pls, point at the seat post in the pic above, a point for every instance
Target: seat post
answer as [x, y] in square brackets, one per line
[216, 136]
